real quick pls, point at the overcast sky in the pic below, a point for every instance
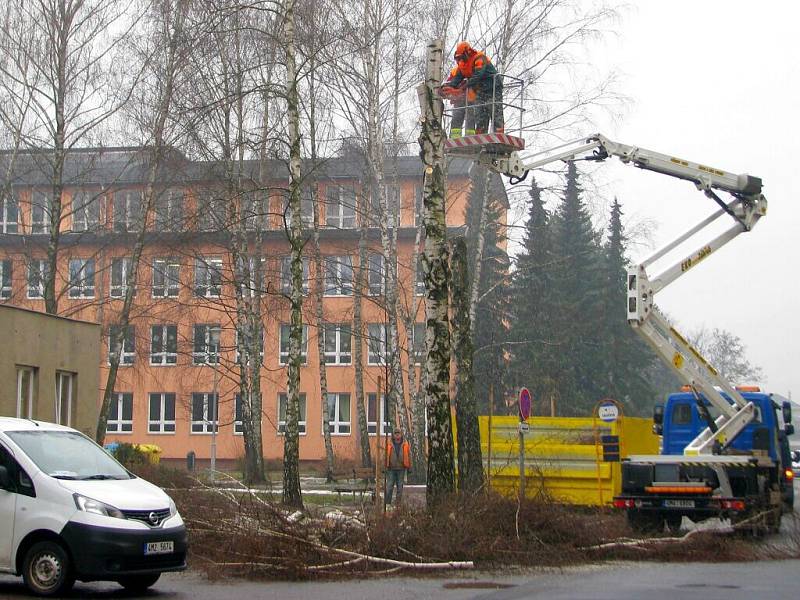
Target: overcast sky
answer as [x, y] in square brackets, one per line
[718, 82]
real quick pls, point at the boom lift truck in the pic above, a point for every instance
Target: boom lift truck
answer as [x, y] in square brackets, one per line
[711, 477]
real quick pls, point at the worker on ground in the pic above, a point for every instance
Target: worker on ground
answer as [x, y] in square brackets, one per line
[484, 88]
[398, 462]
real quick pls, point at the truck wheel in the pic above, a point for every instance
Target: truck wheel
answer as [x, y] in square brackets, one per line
[138, 583]
[47, 570]
[645, 522]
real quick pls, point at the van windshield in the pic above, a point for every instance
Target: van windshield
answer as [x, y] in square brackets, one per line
[68, 455]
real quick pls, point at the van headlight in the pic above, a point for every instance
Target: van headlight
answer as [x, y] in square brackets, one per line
[90, 505]
[173, 510]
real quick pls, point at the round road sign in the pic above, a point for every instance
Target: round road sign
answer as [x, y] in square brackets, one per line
[608, 412]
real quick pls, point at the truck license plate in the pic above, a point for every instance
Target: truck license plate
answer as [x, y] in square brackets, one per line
[679, 503]
[159, 548]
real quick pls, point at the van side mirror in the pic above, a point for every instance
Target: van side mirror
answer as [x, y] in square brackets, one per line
[658, 414]
[5, 478]
[789, 429]
[786, 409]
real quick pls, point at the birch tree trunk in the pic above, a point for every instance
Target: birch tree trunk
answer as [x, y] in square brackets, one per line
[292, 495]
[358, 339]
[441, 476]
[470, 463]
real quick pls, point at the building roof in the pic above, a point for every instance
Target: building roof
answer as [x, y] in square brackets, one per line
[44, 315]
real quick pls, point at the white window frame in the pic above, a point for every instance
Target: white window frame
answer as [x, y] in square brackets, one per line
[128, 355]
[376, 333]
[207, 356]
[25, 403]
[40, 225]
[302, 423]
[376, 274]
[286, 275]
[204, 276]
[118, 401]
[160, 426]
[164, 354]
[6, 278]
[79, 288]
[283, 345]
[166, 267]
[7, 225]
[64, 378]
[372, 425]
[85, 211]
[335, 267]
[205, 425]
[169, 210]
[338, 213]
[121, 272]
[125, 201]
[338, 426]
[39, 266]
[337, 356]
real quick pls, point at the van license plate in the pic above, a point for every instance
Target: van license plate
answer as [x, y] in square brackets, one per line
[679, 503]
[159, 547]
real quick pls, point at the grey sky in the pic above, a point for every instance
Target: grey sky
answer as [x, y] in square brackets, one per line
[718, 82]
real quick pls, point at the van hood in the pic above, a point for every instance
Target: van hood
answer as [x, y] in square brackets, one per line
[124, 494]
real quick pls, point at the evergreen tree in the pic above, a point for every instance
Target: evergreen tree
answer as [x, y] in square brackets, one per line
[576, 306]
[531, 335]
[627, 359]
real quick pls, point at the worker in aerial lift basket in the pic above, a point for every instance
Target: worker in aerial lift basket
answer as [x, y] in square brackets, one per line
[484, 89]
[458, 98]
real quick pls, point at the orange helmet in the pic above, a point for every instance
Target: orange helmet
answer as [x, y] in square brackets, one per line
[463, 50]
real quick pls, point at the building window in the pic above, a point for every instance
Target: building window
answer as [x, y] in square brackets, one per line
[40, 212]
[338, 276]
[301, 419]
[37, 276]
[418, 343]
[284, 345]
[204, 412]
[26, 379]
[340, 209]
[238, 419]
[211, 213]
[376, 344]
[163, 344]
[65, 388]
[121, 276]
[85, 211]
[208, 277]
[338, 343]
[419, 282]
[120, 417]
[5, 279]
[166, 277]
[375, 274]
[128, 344]
[306, 209]
[390, 197]
[372, 414]
[247, 341]
[286, 275]
[81, 278]
[206, 344]
[9, 215]
[339, 413]
[169, 210]
[127, 211]
[251, 279]
[161, 417]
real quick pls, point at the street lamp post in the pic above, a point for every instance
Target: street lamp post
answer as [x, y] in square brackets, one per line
[213, 338]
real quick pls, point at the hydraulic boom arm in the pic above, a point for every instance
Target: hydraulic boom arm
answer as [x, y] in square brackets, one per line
[746, 207]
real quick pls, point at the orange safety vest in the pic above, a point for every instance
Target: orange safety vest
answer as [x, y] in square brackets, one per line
[406, 449]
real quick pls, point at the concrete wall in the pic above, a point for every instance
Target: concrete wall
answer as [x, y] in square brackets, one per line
[50, 344]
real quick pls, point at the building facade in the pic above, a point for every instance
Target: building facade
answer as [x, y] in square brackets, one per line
[50, 368]
[179, 364]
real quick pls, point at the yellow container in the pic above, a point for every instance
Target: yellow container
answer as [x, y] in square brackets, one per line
[152, 452]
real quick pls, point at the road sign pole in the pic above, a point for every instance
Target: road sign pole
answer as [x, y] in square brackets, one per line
[524, 413]
[521, 464]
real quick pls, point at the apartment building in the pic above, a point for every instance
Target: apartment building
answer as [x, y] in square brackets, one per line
[179, 374]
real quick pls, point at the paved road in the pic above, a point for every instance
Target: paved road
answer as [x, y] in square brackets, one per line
[776, 580]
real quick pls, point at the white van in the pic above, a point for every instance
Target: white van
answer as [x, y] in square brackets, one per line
[69, 511]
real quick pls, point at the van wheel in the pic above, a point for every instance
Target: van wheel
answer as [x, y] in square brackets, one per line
[138, 583]
[47, 570]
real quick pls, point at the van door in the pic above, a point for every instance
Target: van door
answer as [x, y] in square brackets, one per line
[8, 510]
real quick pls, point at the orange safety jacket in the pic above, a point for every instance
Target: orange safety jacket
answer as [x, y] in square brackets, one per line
[406, 450]
[479, 70]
